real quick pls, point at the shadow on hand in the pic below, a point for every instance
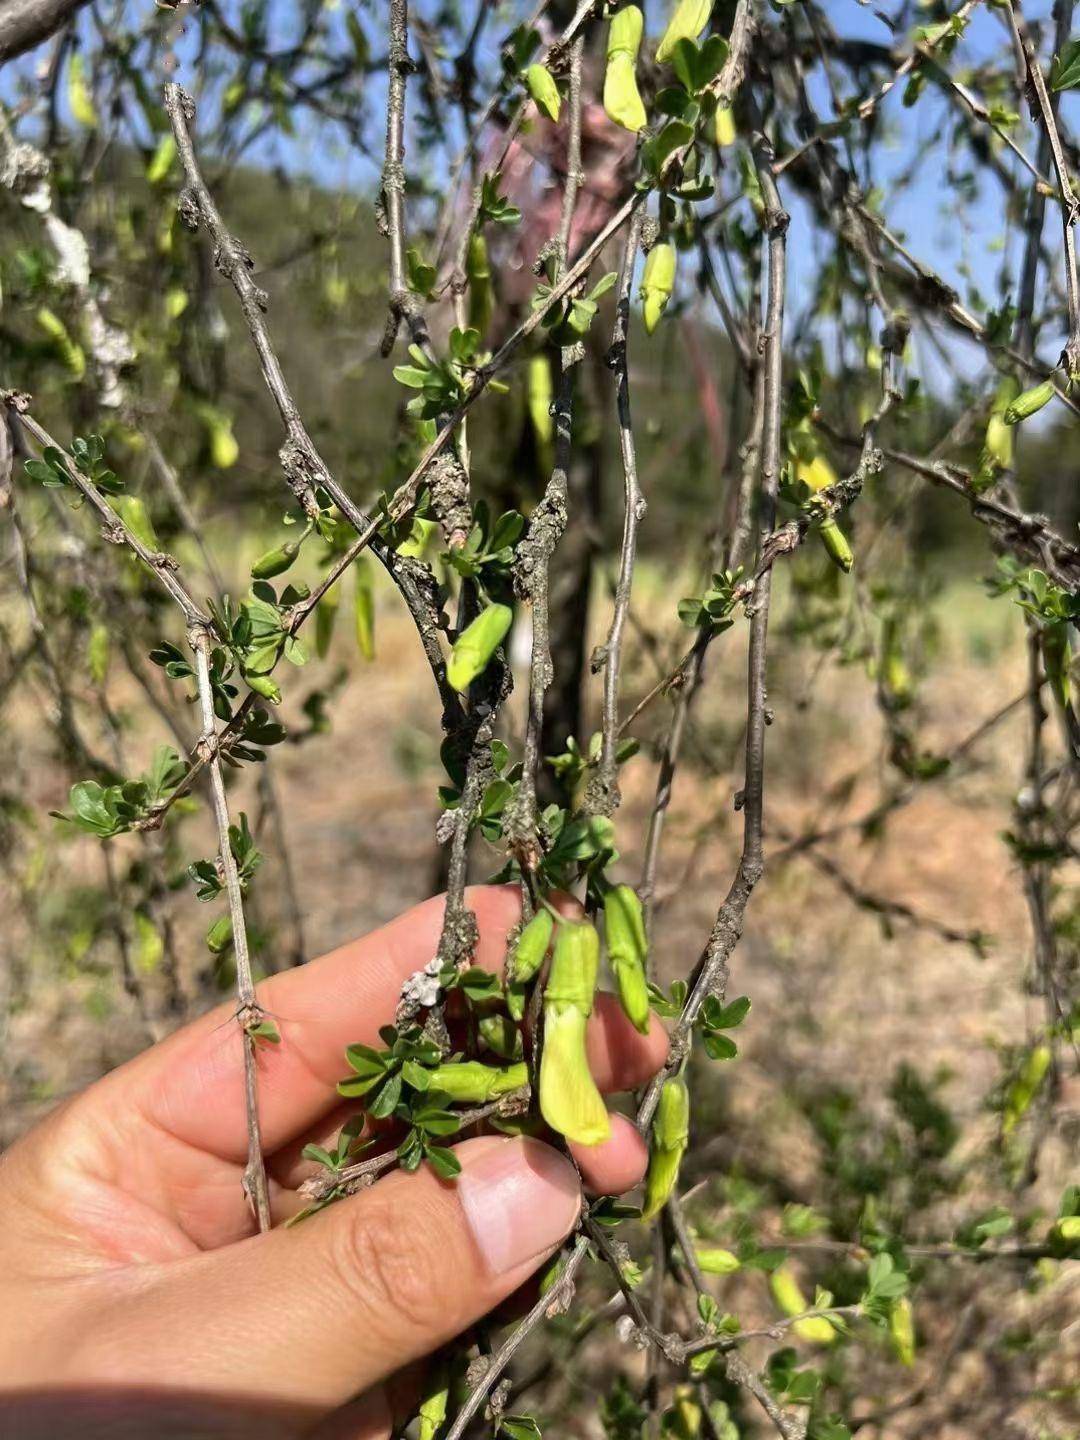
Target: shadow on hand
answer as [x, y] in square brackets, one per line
[112, 1413]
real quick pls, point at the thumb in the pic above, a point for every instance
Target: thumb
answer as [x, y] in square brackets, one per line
[316, 1313]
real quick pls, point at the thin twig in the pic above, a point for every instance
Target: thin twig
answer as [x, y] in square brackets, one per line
[249, 1014]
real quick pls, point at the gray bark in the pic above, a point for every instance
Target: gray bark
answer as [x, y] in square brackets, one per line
[25, 23]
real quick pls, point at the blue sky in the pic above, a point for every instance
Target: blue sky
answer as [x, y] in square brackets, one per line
[969, 247]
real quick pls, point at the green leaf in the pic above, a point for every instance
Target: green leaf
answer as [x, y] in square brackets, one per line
[727, 1017]
[719, 1047]
[674, 136]
[385, 1102]
[415, 1075]
[444, 1162]
[519, 1427]
[320, 1156]
[1065, 70]
[88, 800]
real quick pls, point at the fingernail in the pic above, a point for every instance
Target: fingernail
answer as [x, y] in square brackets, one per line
[521, 1199]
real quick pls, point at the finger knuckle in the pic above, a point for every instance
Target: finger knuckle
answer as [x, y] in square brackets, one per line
[388, 1265]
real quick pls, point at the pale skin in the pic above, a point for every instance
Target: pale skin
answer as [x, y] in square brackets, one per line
[136, 1297]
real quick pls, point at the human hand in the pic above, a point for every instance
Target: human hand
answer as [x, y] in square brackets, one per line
[135, 1298]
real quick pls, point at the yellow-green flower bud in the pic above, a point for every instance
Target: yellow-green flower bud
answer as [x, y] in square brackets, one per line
[657, 283]
[478, 274]
[501, 1036]
[276, 561]
[136, 518]
[541, 393]
[1055, 649]
[161, 161]
[683, 1420]
[687, 22]
[1029, 403]
[816, 474]
[1025, 1087]
[266, 686]
[541, 86]
[364, 608]
[791, 1300]
[621, 98]
[999, 440]
[420, 535]
[725, 132]
[325, 616]
[474, 1083]
[526, 959]
[997, 452]
[902, 1331]
[532, 945]
[836, 544]
[69, 351]
[569, 1100]
[476, 644]
[670, 1135]
[628, 948]
[220, 935]
[1064, 1235]
[715, 1260]
[435, 1403]
[97, 653]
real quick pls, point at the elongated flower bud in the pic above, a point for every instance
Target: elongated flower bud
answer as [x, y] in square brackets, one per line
[276, 561]
[687, 22]
[501, 1036]
[657, 283]
[836, 544]
[999, 440]
[569, 1100]
[902, 1330]
[476, 644]
[133, 512]
[364, 608]
[997, 452]
[220, 935]
[541, 86]
[478, 274]
[474, 1083]
[1055, 648]
[628, 949]
[621, 98]
[525, 961]
[670, 1135]
[1029, 403]
[683, 1420]
[266, 686]
[541, 393]
[325, 616]
[725, 132]
[531, 947]
[791, 1300]
[69, 350]
[715, 1260]
[1025, 1087]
